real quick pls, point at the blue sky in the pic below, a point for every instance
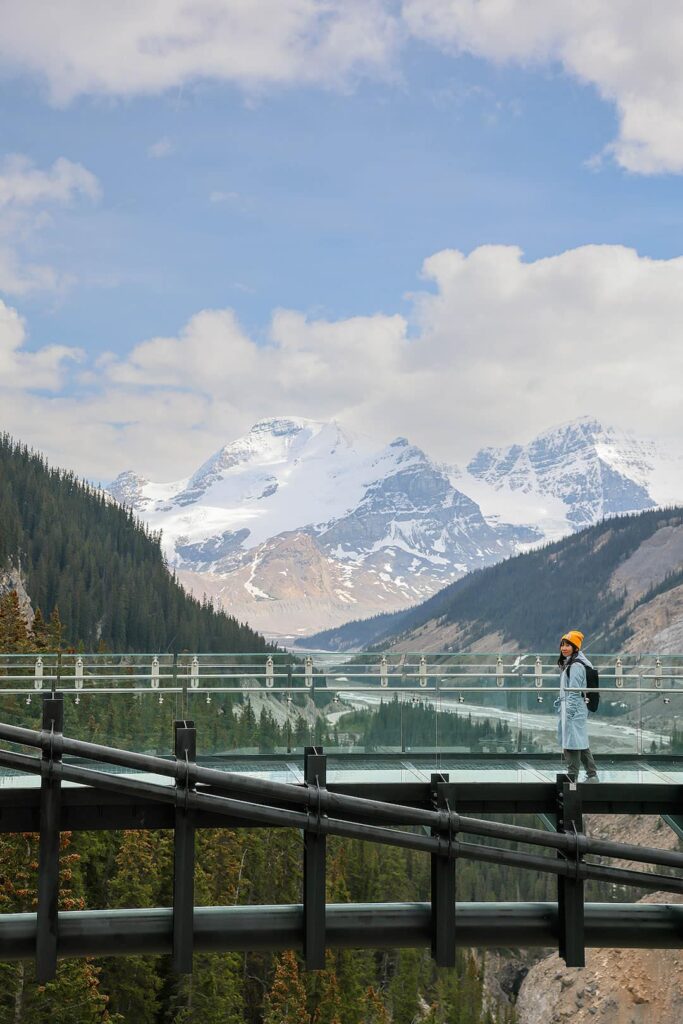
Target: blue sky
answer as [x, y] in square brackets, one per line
[192, 205]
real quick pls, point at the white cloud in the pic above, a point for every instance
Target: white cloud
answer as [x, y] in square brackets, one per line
[224, 197]
[160, 149]
[130, 48]
[630, 51]
[498, 350]
[595, 330]
[26, 195]
[18, 277]
[21, 370]
[22, 184]
[627, 49]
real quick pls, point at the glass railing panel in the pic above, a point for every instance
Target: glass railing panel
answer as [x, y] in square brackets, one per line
[429, 705]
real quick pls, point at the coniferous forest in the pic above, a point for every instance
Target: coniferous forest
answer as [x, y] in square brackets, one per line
[94, 562]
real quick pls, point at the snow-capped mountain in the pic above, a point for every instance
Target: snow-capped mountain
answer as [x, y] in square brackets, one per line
[298, 526]
[298, 511]
[573, 476]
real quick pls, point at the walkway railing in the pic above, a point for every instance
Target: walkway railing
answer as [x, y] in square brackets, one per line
[205, 797]
[641, 707]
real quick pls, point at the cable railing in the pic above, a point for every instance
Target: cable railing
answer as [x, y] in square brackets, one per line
[439, 672]
[507, 699]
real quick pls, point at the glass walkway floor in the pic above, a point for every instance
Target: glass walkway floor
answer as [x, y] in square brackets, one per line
[379, 769]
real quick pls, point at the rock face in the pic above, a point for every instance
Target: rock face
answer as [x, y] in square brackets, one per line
[617, 986]
[11, 579]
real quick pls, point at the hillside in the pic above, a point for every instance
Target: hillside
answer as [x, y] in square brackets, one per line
[617, 986]
[622, 580]
[78, 552]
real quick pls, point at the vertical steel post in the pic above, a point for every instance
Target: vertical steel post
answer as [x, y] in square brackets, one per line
[183, 850]
[570, 902]
[48, 862]
[315, 849]
[443, 882]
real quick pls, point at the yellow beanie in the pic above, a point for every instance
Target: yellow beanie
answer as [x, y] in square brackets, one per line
[575, 637]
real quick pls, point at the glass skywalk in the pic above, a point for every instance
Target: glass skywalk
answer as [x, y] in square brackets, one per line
[380, 716]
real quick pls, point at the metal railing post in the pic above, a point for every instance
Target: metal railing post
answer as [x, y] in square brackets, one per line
[183, 849]
[48, 862]
[443, 881]
[570, 902]
[315, 850]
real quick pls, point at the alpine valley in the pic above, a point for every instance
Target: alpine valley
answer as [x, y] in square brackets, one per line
[298, 526]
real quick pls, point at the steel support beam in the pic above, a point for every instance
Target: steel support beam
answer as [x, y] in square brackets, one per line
[315, 849]
[272, 800]
[48, 861]
[570, 889]
[443, 882]
[349, 926]
[260, 814]
[675, 822]
[88, 809]
[183, 849]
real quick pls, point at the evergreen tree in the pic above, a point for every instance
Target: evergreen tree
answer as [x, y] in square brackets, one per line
[327, 994]
[286, 999]
[404, 989]
[143, 860]
[375, 1011]
[15, 636]
[74, 996]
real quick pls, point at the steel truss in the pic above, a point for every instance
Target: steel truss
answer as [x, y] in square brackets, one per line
[204, 797]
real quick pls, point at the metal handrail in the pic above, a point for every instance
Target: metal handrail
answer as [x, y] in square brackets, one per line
[361, 810]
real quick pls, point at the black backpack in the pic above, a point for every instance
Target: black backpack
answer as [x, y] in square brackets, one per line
[592, 697]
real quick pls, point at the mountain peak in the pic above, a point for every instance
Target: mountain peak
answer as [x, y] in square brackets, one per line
[284, 426]
[128, 488]
[594, 469]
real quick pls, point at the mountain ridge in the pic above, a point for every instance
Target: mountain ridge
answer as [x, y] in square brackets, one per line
[393, 525]
[605, 579]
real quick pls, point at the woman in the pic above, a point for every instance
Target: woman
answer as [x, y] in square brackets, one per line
[572, 728]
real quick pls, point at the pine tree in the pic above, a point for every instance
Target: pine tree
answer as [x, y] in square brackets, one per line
[74, 996]
[327, 994]
[404, 987]
[212, 994]
[15, 637]
[286, 1000]
[375, 1012]
[142, 866]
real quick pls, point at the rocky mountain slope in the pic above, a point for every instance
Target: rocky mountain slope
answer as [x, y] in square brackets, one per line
[617, 986]
[621, 581]
[297, 526]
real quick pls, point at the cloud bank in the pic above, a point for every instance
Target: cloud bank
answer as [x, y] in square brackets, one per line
[496, 349]
[628, 50]
[129, 48]
[26, 195]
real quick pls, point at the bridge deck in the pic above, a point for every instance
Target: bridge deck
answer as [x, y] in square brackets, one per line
[387, 768]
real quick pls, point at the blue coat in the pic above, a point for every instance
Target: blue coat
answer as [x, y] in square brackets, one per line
[572, 727]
